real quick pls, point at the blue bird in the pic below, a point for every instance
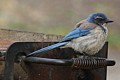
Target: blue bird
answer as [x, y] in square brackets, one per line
[87, 37]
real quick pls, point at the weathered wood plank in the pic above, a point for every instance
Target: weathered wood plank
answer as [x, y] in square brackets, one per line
[7, 37]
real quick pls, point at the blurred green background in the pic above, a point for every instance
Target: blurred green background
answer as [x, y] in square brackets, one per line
[59, 17]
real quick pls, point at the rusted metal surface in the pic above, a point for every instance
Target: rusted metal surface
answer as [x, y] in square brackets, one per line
[2, 58]
[50, 72]
[22, 48]
[31, 71]
[8, 37]
[4, 44]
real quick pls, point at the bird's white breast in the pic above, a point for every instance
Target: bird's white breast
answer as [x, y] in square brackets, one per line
[91, 43]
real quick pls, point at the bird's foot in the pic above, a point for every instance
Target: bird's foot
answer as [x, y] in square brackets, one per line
[86, 56]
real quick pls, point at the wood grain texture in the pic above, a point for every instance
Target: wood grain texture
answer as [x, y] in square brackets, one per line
[7, 37]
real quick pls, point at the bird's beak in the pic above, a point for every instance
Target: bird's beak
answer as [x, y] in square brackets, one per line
[109, 21]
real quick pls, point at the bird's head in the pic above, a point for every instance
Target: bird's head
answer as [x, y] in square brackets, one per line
[98, 18]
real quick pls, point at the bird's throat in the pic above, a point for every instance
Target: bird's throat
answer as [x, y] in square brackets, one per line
[102, 27]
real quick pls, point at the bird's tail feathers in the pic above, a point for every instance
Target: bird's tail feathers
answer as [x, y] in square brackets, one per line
[48, 48]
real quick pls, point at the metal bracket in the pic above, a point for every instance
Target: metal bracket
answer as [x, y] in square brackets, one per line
[83, 62]
[62, 58]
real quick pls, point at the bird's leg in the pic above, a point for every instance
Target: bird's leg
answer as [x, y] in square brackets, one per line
[85, 55]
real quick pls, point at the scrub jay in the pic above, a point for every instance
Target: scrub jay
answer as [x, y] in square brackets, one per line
[87, 37]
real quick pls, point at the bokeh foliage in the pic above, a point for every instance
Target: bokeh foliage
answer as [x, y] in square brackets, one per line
[57, 16]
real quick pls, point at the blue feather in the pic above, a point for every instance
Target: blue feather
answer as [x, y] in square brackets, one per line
[77, 32]
[48, 48]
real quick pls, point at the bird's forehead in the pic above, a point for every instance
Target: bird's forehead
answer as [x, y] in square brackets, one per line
[99, 15]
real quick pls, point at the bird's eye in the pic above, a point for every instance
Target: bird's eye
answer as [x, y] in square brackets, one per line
[99, 19]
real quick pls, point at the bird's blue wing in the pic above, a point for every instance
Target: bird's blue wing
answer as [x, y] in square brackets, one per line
[77, 32]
